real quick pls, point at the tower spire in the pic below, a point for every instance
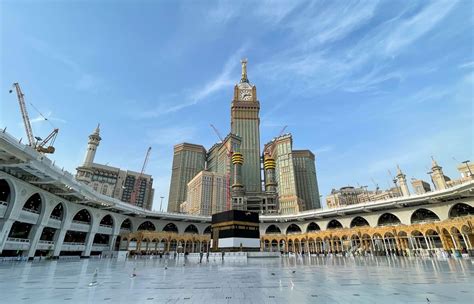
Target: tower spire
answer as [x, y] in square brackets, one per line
[94, 140]
[244, 70]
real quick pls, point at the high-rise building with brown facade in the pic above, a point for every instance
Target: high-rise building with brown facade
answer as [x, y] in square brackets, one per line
[188, 160]
[276, 193]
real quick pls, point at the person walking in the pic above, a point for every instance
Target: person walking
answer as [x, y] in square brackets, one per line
[200, 257]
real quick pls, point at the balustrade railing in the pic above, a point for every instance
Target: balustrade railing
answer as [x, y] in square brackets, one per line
[46, 242]
[10, 239]
[31, 210]
[55, 217]
[73, 243]
[80, 222]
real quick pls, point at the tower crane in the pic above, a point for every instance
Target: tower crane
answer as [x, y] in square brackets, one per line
[136, 187]
[227, 165]
[40, 144]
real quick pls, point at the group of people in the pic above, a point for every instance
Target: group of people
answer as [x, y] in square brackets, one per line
[137, 255]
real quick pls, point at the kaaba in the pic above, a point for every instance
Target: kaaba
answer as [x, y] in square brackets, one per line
[235, 230]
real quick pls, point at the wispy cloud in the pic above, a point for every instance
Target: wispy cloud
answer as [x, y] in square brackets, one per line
[323, 149]
[170, 136]
[327, 22]
[467, 65]
[46, 117]
[85, 81]
[415, 27]
[362, 65]
[223, 80]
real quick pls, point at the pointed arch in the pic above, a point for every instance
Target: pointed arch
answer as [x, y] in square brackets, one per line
[460, 209]
[107, 220]
[191, 229]
[83, 216]
[359, 221]
[313, 227]
[147, 225]
[273, 229]
[423, 215]
[6, 192]
[293, 228]
[334, 224]
[126, 224]
[170, 227]
[34, 203]
[388, 219]
[58, 212]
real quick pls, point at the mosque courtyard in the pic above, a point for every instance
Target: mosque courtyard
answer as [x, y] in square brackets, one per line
[260, 280]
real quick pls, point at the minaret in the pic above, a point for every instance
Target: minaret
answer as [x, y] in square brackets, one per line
[269, 165]
[437, 175]
[402, 181]
[94, 140]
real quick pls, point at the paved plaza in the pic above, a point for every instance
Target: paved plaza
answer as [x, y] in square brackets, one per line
[285, 280]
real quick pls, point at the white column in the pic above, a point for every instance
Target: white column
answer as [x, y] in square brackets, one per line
[5, 226]
[112, 240]
[454, 242]
[427, 243]
[466, 241]
[384, 245]
[36, 232]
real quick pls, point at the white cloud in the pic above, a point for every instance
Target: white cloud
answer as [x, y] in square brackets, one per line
[323, 149]
[222, 81]
[363, 64]
[328, 22]
[467, 65]
[413, 28]
[84, 82]
[46, 117]
[170, 136]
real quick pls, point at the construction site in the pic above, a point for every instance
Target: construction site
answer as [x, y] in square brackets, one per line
[135, 188]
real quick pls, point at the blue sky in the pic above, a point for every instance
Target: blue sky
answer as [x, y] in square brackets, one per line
[364, 85]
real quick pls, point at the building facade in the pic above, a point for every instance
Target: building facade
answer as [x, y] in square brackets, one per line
[245, 123]
[113, 181]
[45, 211]
[251, 192]
[306, 180]
[206, 194]
[188, 160]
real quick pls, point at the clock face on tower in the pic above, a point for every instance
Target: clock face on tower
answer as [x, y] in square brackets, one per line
[245, 95]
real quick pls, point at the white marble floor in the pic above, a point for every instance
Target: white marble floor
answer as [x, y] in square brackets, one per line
[285, 280]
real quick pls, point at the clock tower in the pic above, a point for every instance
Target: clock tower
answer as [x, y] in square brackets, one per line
[245, 123]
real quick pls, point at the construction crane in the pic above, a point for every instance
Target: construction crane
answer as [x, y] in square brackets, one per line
[40, 144]
[227, 165]
[136, 187]
[269, 150]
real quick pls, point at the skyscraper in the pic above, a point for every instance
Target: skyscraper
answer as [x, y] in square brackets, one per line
[306, 181]
[239, 160]
[245, 123]
[188, 160]
[286, 179]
